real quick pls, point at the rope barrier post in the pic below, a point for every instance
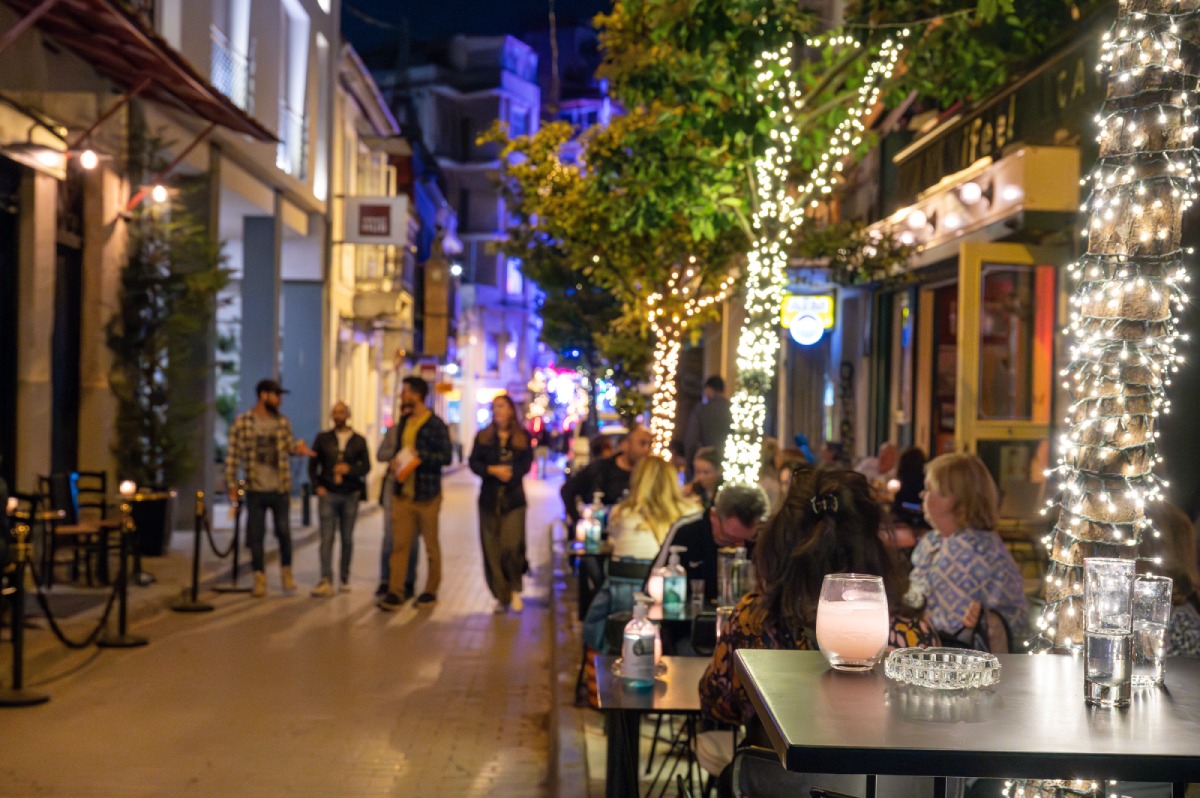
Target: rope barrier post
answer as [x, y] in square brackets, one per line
[194, 604]
[17, 695]
[306, 506]
[234, 587]
[123, 639]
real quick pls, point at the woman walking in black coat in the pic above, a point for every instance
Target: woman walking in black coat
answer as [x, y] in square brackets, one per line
[502, 456]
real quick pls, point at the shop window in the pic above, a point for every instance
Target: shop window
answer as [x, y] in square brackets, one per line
[1006, 342]
[945, 367]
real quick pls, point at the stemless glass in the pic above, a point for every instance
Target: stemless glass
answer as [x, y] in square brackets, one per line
[852, 621]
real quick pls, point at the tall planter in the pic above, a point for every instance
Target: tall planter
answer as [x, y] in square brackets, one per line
[167, 301]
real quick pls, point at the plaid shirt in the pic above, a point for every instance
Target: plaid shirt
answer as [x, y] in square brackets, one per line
[241, 451]
[433, 447]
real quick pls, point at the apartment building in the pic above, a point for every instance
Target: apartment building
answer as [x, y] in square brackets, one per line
[452, 92]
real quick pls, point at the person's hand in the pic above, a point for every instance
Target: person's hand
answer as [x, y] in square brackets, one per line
[971, 616]
[341, 468]
[322, 490]
[233, 496]
[501, 472]
[301, 448]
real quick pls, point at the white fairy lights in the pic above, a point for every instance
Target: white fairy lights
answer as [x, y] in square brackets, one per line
[781, 207]
[1129, 283]
[669, 314]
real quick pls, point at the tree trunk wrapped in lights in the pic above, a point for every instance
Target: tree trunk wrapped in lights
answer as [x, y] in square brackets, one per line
[1121, 319]
[781, 206]
[669, 317]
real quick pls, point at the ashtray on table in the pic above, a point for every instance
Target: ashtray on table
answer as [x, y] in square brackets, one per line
[942, 668]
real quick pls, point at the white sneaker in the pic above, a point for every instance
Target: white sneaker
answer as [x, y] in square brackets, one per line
[323, 589]
[517, 605]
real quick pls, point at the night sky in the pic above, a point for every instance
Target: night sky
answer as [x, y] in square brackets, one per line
[370, 24]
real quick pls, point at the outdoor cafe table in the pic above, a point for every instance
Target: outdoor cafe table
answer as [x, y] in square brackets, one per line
[676, 692]
[1032, 724]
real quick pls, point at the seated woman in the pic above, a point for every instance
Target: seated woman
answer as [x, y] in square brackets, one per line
[706, 465]
[963, 568]
[802, 543]
[1170, 550]
[638, 524]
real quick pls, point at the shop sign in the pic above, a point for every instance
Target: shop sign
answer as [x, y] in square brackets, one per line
[807, 316]
[376, 220]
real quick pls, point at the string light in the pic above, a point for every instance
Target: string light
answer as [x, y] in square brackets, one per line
[669, 314]
[781, 208]
[1129, 284]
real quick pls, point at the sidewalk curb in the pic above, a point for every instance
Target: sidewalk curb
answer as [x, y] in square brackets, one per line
[568, 751]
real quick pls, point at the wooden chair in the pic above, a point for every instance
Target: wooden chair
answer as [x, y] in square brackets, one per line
[59, 496]
[93, 506]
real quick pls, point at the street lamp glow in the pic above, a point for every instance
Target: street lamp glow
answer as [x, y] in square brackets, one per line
[88, 159]
[159, 193]
[456, 270]
[128, 488]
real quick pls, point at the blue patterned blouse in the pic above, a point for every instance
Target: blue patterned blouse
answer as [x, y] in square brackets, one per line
[971, 565]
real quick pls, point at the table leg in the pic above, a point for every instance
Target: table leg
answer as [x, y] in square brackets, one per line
[873, 786]
[939, 787]
[623, 730]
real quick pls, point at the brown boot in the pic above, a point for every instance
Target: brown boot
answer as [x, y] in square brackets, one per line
[289, 584]
[260, 585]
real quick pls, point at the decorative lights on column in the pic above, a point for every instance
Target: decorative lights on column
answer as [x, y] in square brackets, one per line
[781, 207]
[1129, 282]
[669, 315]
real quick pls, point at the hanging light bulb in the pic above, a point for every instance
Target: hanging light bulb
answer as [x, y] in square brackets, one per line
[159, 193]
[88, 159]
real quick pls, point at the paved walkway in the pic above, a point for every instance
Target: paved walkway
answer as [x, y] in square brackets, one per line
[291, 695]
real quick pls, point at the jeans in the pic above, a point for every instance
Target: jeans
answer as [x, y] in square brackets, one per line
[280, 505]
[341, 510]
[385, 552]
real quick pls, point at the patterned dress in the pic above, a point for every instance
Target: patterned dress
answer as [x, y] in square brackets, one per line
[1183, 633]
[722, 697]
[951, 571]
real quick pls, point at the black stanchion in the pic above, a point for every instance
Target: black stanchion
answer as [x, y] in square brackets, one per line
[306, 507]
[194, 604]
[233, 586]
[17, 695]
[122, 639]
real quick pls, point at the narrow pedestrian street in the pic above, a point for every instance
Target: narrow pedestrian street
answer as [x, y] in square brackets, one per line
[293, 695]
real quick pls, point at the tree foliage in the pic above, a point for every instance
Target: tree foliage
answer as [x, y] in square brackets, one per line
[167, 299]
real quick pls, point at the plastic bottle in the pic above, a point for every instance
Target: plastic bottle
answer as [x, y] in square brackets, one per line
[674, 579]
[596, 512]
[639, 646]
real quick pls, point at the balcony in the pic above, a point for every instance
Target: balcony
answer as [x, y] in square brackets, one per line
[231, 71]
[292, 155]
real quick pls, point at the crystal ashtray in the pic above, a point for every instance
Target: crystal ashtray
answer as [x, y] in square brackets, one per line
[942, 668]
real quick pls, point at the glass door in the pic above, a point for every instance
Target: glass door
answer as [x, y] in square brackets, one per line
[1005, 345]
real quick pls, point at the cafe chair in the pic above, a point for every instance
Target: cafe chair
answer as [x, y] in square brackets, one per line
[59, 496]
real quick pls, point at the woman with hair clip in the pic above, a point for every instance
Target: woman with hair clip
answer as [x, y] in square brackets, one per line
[829, 522]
[501, 456]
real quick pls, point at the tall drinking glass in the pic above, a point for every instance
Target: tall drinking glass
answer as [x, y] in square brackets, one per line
[1151, 614]
[1108, 630]
[852, 621]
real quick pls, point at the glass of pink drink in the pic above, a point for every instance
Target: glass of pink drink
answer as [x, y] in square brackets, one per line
[852, 621]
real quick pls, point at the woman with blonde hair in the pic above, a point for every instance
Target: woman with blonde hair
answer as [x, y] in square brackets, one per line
[963, 569]
[639, 523]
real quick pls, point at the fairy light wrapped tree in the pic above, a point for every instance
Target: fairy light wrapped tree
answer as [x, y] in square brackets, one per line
[1130, 281]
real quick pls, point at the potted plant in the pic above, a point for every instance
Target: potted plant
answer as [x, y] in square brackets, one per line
[167, 300]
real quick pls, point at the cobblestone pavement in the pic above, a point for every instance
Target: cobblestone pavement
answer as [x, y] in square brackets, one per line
[292, 695]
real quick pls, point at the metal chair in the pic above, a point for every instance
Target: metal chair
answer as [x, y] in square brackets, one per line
[59, 498]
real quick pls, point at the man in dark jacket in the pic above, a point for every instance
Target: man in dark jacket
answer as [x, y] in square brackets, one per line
[337, 471]
[709, 423]
[417, 497]
[608, 476]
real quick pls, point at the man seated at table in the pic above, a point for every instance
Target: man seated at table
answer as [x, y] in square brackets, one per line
[609, 476]
[733, 520]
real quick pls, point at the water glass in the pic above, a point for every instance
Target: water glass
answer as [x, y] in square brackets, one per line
[1151, 615]
[696, 594]
[1108, 630]
[852, 621]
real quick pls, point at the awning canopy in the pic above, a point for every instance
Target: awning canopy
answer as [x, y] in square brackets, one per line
[114, 41]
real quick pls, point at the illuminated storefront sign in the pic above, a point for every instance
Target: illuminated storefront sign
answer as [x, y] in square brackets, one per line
[807, 316]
